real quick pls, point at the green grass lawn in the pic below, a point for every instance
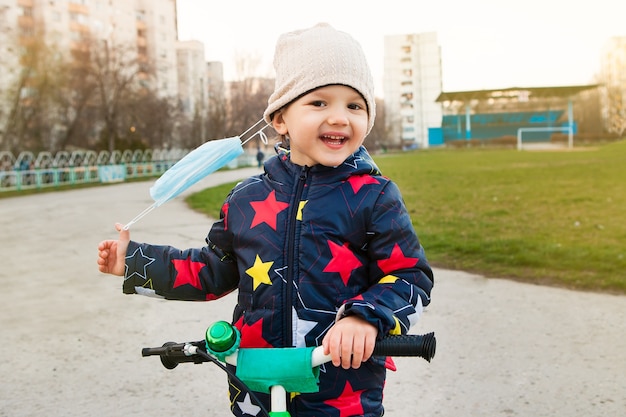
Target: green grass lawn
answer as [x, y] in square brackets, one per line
[554, 218]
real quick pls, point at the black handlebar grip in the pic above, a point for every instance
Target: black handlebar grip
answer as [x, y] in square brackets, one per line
[172, 353]
[154, 351]
[423, 346]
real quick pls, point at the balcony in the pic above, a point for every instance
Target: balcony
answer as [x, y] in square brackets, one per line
[25, 21]
[77, 8]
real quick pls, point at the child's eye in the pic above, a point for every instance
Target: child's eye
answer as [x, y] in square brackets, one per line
[355, 106]
[317, 103]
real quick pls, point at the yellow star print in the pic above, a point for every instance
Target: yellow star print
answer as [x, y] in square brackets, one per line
[397, 329]
[260, 272]
[300, 208]
[388, 279]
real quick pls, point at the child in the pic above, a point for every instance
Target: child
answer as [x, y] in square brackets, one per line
[320, 246]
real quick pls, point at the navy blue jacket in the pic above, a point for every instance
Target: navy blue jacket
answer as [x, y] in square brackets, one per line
[304, 247]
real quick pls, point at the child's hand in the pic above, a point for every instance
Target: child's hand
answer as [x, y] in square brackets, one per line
[350, 342]
[111, 253]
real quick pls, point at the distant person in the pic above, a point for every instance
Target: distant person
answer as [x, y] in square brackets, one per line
[260, 156]
[320, 246]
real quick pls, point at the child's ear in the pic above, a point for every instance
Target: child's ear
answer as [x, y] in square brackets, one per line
[278, 123]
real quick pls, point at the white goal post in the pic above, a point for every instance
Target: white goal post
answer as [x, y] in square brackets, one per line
[569, 129]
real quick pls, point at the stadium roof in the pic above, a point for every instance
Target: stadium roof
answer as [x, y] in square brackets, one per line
[515, 92]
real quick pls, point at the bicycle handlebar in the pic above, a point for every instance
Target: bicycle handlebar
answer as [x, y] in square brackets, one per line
[172, 353]
[295, 370]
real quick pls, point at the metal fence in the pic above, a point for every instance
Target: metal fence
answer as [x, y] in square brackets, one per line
[30, 171]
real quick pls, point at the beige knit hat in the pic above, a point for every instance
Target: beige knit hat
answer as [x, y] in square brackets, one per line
[307, 59]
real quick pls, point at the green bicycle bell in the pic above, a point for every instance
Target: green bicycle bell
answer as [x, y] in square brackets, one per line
[222, 339]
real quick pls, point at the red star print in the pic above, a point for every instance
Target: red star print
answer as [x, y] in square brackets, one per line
[343, 261]
[390, 364]
[252, 336]
[356, 298]
[187, 272]
[266, 211]
[396, 261]
[348, 403]
[225, 208]
[358, 181]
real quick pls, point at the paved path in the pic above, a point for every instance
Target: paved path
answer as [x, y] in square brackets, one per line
[72, 340]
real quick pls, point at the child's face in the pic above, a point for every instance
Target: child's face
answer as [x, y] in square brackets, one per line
[324, 126]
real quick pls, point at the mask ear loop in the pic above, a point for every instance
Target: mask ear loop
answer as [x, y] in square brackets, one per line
[259, 132]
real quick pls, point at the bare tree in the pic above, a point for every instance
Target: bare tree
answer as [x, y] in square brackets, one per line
[378, 139]
[616, 110]
[115, 69]
[11, 127]
[587, 112]
[151, 119]
[32, 110]
[216, 116]
[75, 98]
[247, 98]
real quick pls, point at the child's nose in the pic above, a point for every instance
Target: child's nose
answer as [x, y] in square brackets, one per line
[338, 116]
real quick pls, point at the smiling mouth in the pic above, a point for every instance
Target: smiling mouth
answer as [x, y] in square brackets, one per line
[333, 140]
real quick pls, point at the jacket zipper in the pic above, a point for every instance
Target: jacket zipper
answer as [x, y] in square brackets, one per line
[291, 258]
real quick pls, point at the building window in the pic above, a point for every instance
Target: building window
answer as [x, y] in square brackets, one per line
[27, 32]
[27, 11]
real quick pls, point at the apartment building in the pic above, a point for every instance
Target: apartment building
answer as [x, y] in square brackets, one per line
[145, 28]
[215, 78]
[412, 82]
[148, 26]
[192, 77]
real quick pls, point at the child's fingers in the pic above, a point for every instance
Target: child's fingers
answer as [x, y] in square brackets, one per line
[103, 260]
[124, 234]
[332, 347]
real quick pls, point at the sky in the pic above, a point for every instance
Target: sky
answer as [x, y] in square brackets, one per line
[485, 44]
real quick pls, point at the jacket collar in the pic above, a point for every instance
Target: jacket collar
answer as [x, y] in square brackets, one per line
[281, 168]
